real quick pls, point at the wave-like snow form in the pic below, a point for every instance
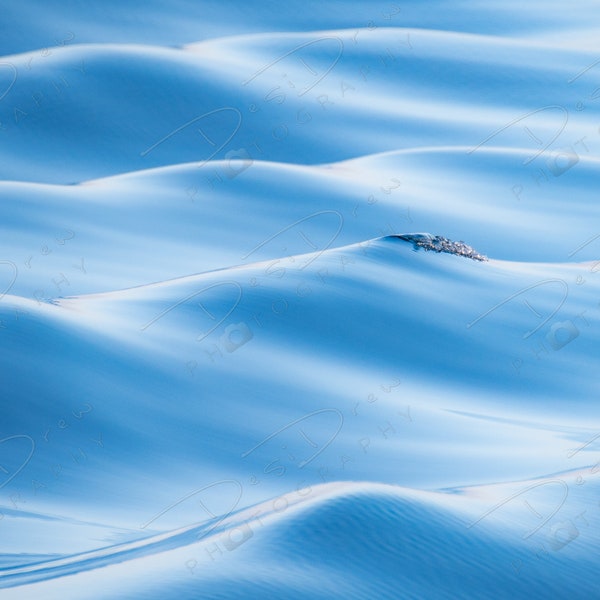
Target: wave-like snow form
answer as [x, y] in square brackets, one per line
[228, 369]
[360, 539]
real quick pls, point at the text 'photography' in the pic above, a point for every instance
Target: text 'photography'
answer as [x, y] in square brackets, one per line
[299, 300]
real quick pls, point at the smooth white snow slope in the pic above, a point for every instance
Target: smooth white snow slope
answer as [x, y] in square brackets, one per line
[227, 372]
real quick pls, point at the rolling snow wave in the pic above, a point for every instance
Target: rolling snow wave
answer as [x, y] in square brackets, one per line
[231, 369]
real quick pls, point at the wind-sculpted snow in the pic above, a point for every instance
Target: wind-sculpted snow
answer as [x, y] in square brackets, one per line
[231, 369]
[425, 543]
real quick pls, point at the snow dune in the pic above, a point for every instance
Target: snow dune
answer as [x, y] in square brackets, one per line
[231, 368]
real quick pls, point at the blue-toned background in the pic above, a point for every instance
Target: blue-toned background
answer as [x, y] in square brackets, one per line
[221, 374]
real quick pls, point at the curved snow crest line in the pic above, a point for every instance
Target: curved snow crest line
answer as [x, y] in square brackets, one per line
[419, 240]
[453, 518]
[438, 243]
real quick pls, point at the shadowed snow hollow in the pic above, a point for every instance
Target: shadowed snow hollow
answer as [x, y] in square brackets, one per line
[231, 369]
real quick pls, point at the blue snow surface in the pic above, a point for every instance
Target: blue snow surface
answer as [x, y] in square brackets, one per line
[299, 300]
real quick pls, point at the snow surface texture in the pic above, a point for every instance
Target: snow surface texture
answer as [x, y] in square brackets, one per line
[229, 371]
